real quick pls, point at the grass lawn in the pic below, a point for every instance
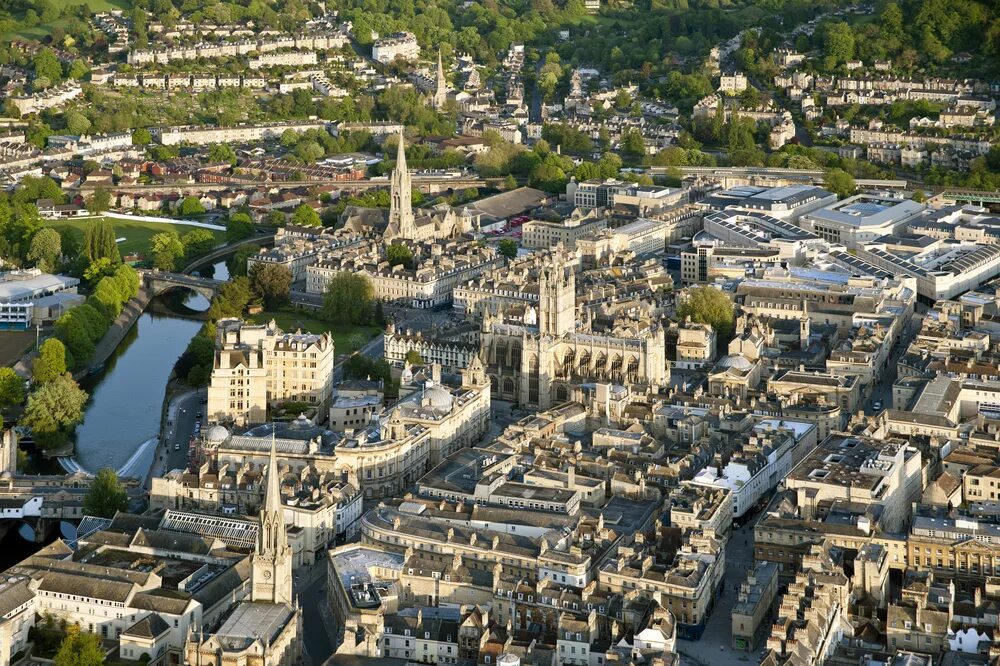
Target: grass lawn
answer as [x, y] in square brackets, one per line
[96, 5]
[136, 233]
[42, 29]
[290, 321]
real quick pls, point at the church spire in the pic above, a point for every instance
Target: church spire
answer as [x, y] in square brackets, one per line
[400, 205]
[441, 89]
[271, 565]
[272, 500]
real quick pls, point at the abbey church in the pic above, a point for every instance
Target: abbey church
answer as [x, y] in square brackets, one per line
[539, 364]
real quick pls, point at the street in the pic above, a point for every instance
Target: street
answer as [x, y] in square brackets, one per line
[310, 586]
[182, 414]
[715, 646]
[882, 391]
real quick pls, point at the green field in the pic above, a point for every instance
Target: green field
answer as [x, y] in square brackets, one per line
[96, 5]
[136, 233]
[290, 321]
[42, 29]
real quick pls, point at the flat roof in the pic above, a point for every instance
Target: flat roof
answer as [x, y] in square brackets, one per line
[867, 210]
[14, 289]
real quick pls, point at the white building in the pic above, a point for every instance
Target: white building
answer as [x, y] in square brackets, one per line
[20, 290]
[861, 219]
[397, 45]
[775, 448]
[733, 82]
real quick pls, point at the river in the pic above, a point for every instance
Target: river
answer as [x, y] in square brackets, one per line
[126, 398]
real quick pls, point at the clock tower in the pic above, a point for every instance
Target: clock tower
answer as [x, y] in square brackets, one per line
[271, 566]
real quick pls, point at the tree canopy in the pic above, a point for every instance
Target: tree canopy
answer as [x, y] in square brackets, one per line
[708, 305]
[53, 410]
[271, 282]
[12, 389]
[348, 299]
[106, 495]
[50, 362]
[79, 649]
[166, 249]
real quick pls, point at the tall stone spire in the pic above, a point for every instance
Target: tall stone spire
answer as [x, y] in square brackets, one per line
[441, 90]
[400, 205]
[271, 565]
[272, 498]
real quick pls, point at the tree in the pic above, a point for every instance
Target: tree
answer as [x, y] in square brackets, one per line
[99, 241]
[98, 201]
[237, 264]
[398, 254]
[360, 366]
[357, 341]
[166, 249]
[50, 362]
[53, 410]
[76, 122]
[79, 649]
[97, 269]
[222, 152]
[919, 196]
[46, 64]
[839, 182]
[191, 206]
[632, 143]
[708, 305]
[78, 69]
[238, 227]
[271, 282]
[306, 216]
[11, 388]
[197, 242]
[46, 246]
[507, 248]
[838, 43]
[231, 300]
[413, 357]
[127, 281]
[348, 299]
[108, 299]
[141, 137]
[106, 496]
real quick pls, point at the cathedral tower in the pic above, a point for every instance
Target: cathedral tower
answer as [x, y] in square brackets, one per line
[271, 565]
[400, 205]
[556, 298]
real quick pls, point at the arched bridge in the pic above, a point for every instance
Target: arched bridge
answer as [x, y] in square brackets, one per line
[157, 282]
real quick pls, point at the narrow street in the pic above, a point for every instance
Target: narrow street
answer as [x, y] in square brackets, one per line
[715, 646]
[310, 586]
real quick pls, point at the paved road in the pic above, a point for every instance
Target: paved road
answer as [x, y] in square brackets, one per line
[310, 586]
[715, 646]
[181, 417]
[882, 391]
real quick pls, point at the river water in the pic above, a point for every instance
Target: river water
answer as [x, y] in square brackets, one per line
[126, 398]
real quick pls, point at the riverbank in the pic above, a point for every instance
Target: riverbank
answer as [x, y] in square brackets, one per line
[117, 331]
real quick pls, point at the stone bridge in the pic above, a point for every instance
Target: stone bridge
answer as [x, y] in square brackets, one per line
[226, 250]
[157, 282]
